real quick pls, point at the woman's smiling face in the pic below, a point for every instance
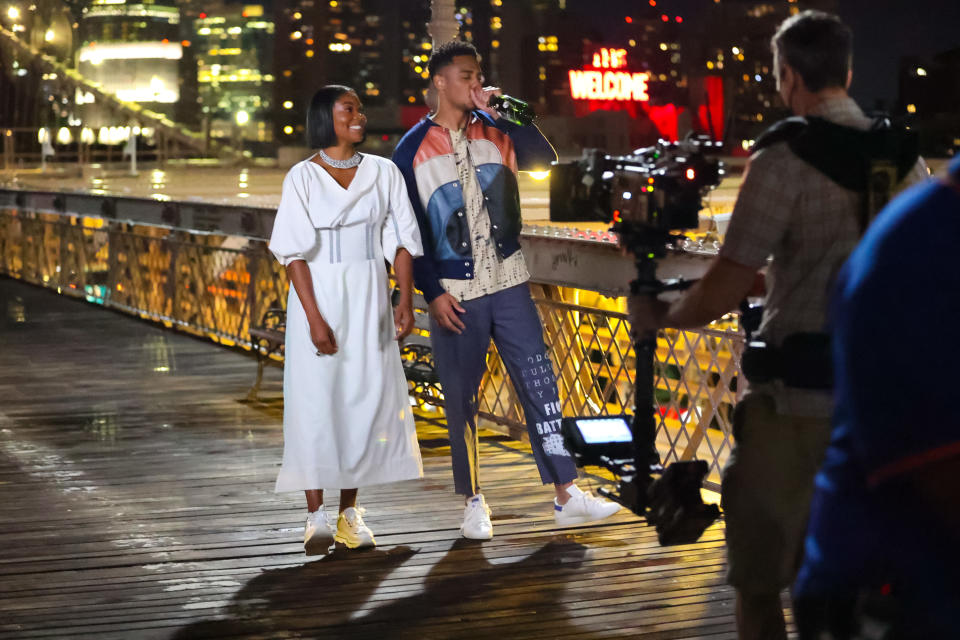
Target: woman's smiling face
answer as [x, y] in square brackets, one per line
[349, 121]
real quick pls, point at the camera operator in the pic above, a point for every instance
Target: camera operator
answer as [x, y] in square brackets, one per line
[789, 208]
[886, 510]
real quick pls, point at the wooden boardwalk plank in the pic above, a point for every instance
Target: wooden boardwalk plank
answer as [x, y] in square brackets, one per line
[136, 501]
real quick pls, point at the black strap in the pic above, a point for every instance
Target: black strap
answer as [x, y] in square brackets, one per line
[782, 131]
[871, 162]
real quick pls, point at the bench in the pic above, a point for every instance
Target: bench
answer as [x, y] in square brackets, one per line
[268, 338]
[417, 355]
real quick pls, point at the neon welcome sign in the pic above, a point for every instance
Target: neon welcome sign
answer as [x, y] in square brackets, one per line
[608, 79]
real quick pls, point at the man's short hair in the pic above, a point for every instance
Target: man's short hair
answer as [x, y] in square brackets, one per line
[818, 46]
[443, 55]
[320, 133]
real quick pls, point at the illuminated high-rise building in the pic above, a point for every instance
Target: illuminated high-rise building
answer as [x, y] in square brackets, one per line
[233, 47]
[132, 48]
[929, 92]
[737, 47]
[375, 46]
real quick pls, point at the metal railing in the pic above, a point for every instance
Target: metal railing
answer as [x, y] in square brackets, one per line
[218, 286]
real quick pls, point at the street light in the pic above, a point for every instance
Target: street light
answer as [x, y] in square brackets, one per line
[13, 13]
[243, 117]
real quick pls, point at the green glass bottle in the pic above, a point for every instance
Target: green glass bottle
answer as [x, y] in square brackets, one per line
[512, 109]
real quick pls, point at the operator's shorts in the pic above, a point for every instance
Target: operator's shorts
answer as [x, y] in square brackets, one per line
[767, 488]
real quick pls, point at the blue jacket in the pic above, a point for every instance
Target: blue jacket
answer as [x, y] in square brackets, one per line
[498, 149]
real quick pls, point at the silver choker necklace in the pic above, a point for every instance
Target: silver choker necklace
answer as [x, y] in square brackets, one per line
[349, 163]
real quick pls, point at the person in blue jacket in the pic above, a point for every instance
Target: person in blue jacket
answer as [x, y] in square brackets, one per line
[460, 165]
[881, 549]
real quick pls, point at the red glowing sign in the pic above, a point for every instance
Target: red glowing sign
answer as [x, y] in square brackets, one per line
[608, 79]
[610, 58]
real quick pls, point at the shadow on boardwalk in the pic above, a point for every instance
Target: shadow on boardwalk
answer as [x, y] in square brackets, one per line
[300, 599]
[137, 503]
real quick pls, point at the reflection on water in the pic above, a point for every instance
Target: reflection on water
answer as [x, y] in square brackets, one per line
[248, 186]
[158, 179]
[16, 310]
[103, 426]
[158, 355]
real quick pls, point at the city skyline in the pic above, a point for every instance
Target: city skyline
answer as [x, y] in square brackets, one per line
[617, 75]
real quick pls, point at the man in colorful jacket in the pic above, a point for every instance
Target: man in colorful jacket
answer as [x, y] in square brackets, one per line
[460, 165]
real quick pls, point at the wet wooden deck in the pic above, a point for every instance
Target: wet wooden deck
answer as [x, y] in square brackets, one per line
[136, 501]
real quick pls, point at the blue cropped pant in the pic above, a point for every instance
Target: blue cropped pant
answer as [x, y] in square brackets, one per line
[510, 318]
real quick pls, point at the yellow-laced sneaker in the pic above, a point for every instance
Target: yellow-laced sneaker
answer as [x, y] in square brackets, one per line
[352, 531]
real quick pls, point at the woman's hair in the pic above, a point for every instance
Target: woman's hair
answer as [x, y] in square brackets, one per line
[320, 131]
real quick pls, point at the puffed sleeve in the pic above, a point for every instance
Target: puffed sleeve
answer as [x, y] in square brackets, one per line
[293, 236]
[400, 229]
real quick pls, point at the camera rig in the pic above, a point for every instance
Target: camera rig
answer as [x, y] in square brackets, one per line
[649, 197]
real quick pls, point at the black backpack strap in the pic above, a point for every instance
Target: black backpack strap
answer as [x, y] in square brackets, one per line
[782, 131]
[871, 162]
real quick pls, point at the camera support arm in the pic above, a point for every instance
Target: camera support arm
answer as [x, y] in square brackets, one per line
[671, 503]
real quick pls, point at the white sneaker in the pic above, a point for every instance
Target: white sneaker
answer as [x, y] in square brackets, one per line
[353, 531]
[476, 519]
[582, 507]
[318, 532]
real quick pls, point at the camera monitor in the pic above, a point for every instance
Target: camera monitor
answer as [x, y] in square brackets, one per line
[592, 439]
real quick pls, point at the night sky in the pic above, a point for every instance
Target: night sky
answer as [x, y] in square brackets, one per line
[884, 31]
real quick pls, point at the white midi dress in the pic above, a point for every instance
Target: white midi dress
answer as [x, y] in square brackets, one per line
[346, 420]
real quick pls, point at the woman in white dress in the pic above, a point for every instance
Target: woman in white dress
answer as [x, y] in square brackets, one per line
[346, 421]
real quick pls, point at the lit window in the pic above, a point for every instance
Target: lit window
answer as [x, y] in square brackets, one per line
[296, 35]
[288, 130]
[911, 108]
[287, 104]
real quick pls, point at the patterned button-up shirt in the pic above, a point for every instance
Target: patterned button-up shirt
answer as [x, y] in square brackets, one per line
[809, 224]
[490, 272]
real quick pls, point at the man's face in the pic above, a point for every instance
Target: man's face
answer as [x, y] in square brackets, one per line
[785, 78]
[457, 82]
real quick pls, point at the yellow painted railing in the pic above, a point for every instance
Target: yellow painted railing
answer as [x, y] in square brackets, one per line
[219, 286]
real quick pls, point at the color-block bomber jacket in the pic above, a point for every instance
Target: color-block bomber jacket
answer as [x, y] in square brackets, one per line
[498, 149]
